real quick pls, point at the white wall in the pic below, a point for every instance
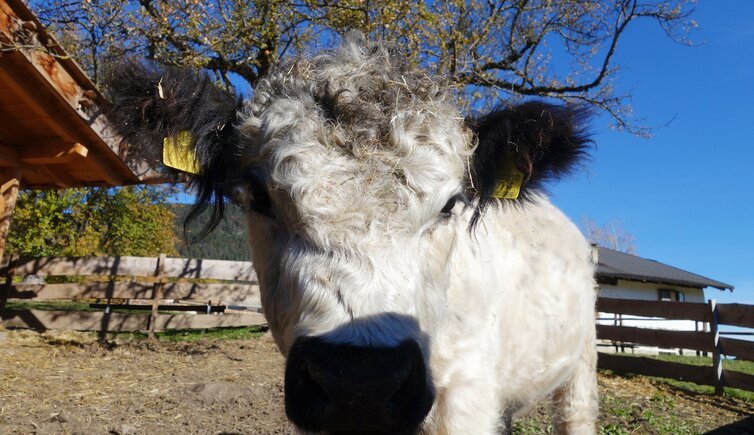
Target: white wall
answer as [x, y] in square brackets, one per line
[647, 291]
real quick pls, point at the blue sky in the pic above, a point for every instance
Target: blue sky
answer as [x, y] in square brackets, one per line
[687, 193]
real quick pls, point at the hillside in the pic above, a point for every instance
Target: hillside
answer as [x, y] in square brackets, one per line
[226, 242]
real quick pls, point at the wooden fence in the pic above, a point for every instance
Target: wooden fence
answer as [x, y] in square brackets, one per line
[171, 293]
[181, 293]
[712, 313]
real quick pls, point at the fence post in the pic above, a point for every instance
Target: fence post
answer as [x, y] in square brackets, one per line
[157, 294]
[8, 284]
[717, 361]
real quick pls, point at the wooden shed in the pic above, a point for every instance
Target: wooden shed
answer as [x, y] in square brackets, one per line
[53, 133]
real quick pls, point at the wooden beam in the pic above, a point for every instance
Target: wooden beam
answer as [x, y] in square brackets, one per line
[63, 78]
[8, 156]
[657, 337]
[666, 310]
[736, 314]
[652, 367]
[230, 294]
[92, 321]
[9, 193]
[53, 155]
[59, 178]
[189, 268]
[29, 97]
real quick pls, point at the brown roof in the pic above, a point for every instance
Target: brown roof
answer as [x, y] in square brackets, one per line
[52, 129]
[619, 265]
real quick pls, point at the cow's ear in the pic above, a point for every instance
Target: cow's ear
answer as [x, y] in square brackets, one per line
[521, 147]
[179, 121]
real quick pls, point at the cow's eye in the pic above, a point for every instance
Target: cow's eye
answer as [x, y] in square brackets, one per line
[448, 207]
[259, 200]
[250, 193]
[239, 195]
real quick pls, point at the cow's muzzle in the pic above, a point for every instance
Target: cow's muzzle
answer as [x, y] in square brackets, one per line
[343, 388]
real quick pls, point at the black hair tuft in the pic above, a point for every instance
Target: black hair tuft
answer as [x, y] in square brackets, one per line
[544, 141]
[151, 103]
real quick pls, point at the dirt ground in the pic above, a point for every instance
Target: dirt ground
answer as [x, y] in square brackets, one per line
[66, 383]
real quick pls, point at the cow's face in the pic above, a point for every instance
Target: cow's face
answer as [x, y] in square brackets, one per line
[359, 178]
[353, 196]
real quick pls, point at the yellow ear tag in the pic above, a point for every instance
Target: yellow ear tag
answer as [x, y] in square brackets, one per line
[177, 153]
[510, 182]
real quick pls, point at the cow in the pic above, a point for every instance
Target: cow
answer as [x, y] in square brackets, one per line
[412, 270]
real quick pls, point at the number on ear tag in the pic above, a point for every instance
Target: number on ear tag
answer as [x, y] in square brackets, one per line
[178, 154]
[510, 182]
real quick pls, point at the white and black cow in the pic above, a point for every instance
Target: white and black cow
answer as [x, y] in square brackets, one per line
[406, 296]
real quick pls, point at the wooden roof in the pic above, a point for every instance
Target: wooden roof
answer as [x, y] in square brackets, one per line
[52, 130]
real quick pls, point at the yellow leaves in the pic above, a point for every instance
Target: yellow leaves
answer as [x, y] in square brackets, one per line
[97, 221]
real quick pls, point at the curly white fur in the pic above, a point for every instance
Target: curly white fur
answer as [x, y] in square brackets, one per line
[361, 154]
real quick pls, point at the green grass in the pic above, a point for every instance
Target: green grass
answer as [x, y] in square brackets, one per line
[68, 305]
[188, 335]
[733, 365]
[736, 365]
[22, 305]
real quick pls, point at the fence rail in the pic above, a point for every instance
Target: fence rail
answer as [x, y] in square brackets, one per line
[158, 281]
[715, 314]
[204, 283]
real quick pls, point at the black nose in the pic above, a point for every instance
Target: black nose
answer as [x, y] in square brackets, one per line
[343, 388]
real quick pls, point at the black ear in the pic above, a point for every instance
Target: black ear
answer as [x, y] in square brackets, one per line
[151, 104]
[533, 142]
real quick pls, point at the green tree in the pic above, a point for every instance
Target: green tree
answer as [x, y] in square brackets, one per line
[130, 220]
[493, 50]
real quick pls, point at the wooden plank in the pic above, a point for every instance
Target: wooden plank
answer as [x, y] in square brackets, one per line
[206, 321]
[657, 337]
[241, 294]
[736, 315]
[102, 290]
[743, 381]
[652, 367]
[92, 321]
[52, 154]
[60, 179]
[668, 310]
[210, 269]
[73, 320]
[8, 155]
[137, 266]
[717, 357]
[128, 266]
[742, 349]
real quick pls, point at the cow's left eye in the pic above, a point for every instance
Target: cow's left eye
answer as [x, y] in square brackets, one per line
[447, 209]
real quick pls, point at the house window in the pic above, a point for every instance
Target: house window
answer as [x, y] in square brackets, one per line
[671, 295]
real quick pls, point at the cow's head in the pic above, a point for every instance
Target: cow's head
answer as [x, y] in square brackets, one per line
[359, 176]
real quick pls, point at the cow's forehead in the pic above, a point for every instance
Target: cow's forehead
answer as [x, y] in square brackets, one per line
[362, 99]
[357, 130]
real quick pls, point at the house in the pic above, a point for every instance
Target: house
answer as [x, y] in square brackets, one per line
[625, 276]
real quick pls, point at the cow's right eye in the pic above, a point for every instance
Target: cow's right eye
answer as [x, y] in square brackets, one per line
[250, 193]
[259, 199]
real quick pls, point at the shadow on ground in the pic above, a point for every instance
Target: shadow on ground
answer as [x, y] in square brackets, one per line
[742, 427]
